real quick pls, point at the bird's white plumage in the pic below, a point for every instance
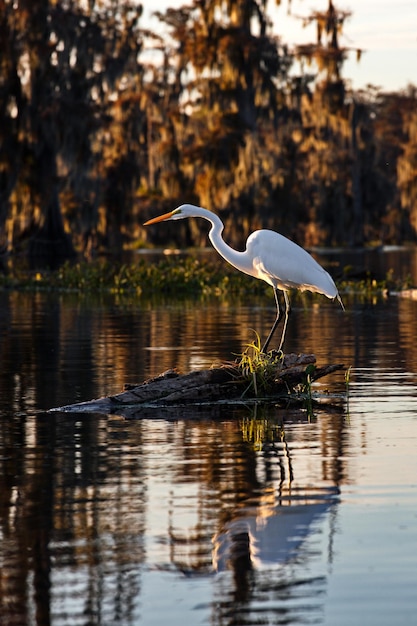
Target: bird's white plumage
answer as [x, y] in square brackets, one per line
[285, 265]
[269, 256]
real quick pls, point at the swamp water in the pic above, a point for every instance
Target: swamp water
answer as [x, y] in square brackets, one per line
[213, 515]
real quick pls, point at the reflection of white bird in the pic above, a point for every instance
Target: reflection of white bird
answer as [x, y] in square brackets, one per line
[268, 256]
[266, 536]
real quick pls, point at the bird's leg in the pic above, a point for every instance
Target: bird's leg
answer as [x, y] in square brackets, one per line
[287, 313]
[275, 324]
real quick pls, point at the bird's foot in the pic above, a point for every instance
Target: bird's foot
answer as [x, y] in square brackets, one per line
[276, 354]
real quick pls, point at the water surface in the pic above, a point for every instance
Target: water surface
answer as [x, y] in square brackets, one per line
[205, 515]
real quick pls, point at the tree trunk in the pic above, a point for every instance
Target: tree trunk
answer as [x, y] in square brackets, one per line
[226, 384]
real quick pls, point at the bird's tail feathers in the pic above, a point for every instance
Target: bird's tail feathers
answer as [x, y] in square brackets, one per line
[340, 302]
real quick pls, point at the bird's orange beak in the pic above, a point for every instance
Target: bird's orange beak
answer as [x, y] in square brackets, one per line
[161, 218]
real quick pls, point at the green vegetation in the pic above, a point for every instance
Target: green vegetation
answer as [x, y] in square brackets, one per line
[258, 368]
[263, 370]
[171, 276]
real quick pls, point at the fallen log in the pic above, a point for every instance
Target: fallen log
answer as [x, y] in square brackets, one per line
[292, 376]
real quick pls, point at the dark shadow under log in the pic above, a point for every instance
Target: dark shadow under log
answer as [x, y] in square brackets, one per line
[224, 384]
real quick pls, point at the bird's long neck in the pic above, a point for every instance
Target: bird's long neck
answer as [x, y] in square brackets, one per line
[234, 257]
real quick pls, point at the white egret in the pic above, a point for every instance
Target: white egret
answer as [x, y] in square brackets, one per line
[269, 256]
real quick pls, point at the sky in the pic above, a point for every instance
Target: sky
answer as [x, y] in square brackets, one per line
[386, 30]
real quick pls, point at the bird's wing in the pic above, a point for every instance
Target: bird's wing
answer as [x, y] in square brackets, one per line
[284, 264]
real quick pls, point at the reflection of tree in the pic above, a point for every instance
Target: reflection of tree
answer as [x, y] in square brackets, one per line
[128, 340]
[86, 503]
[99, 519]
[407, 326]
[64, 492]
[73, 539]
